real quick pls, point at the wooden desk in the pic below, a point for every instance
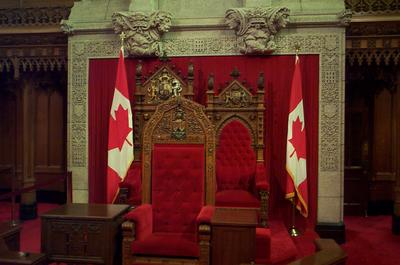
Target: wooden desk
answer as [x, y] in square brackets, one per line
[233, 236]
[83, 233]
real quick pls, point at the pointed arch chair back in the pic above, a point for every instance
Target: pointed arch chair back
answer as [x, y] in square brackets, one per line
[238, 116]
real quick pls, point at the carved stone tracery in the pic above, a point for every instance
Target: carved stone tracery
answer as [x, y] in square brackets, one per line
[256, 28]
[143, 31]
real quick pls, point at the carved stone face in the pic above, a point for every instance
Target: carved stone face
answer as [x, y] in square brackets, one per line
[231, 21]
[283, 19]
[165, 23]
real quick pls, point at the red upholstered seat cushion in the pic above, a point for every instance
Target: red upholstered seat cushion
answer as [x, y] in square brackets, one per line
[167, 244]
[236, 160]
[177, 187]
[236, 198]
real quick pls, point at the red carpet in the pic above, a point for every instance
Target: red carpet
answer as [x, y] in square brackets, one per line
[369, 241]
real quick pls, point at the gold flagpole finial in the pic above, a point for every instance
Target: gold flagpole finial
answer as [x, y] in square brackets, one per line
[122, 36]
[297, 49]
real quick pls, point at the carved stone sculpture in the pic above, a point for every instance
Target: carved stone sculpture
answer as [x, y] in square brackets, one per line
[142, 31]
[256, 27]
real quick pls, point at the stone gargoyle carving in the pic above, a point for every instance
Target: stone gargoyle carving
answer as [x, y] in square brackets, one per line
[142, 31]
[256, 27]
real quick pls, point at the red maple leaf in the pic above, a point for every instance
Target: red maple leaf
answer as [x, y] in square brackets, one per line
[298, 139]
[119, 129]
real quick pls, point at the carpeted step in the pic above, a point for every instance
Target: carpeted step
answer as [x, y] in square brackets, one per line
[283, 250]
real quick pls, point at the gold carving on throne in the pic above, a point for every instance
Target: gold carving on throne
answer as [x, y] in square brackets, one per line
[164, 87]
[236, 97]
[179, 125]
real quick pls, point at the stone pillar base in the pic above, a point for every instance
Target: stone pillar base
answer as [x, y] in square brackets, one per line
[28, 211]
[395, 224]
[336, 231]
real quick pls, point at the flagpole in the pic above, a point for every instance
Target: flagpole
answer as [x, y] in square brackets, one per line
[122, 37]
[293, 231]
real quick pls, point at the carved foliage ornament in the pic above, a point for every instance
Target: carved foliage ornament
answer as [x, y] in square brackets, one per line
[142, 31]
[256, 28]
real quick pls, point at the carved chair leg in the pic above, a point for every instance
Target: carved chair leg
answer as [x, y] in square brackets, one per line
[204, 241]
[128, 233]
[264, 195]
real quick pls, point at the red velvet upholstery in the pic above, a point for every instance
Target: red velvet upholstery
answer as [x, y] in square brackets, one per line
[205, 215]
[236, 160]
[177, 203]
[177, 187]
[236, 198]
[239, 176]
[143, 218]
[132, 183]
[167, 244]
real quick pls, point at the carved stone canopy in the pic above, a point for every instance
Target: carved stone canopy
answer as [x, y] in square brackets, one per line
[143, 31]
[256, 28]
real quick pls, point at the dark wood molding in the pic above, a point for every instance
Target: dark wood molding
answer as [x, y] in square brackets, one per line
[336, 231]
[373, 6]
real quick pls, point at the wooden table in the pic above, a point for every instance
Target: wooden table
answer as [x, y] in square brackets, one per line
[83, 233]
[233, 236]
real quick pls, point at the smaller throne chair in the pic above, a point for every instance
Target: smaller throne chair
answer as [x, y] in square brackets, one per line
[163, 84]
[172, 225]
[238, 116]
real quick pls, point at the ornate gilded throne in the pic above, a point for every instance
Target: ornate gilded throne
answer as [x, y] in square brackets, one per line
[165, 83]
[178, 188]
[238, 117]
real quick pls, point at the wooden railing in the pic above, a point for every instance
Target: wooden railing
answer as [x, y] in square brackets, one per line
[328, 253]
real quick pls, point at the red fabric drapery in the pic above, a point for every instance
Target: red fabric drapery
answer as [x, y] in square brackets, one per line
[278, 71]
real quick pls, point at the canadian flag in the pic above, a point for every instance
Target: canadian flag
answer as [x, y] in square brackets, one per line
[120, 133]
[296, 155]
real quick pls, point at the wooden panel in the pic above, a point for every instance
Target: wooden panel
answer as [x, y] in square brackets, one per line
[233, 236]
[50, 128]
[56, 127]
[41, 134]
[357, 153]
[382, 153]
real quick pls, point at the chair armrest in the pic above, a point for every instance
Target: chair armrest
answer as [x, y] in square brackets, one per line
[203, 221]
[261, 177]
[142, 217]
[205, 215]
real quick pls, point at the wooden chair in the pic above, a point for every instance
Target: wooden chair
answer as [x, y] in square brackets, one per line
[238, 117]
[173, 224]
[165, 83]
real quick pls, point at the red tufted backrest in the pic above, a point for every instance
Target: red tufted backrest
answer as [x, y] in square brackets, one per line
[177, 187]
[235, 158]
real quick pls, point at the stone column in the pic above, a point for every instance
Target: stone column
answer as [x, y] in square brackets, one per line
[28, 206]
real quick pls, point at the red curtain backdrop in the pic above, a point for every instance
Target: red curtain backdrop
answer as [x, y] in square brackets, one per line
[278, 71]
